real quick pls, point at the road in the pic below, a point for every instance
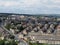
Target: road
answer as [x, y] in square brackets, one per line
[16, 37]
[42, 38]
[51, 39]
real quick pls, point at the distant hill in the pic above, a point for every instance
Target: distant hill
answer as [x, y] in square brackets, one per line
[49, 15]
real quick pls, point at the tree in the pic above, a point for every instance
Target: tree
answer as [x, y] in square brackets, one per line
[12, 42]
[8, 26]
[20, 28]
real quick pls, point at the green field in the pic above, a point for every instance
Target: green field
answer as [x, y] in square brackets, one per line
[37, 44]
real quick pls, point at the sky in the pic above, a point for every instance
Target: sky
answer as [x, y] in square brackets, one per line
[30, 6]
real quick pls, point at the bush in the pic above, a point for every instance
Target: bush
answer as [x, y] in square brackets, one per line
[12, 42]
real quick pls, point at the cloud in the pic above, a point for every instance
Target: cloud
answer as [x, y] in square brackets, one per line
[30, 6]
[8, 3]
[56, 1]
[21, 3]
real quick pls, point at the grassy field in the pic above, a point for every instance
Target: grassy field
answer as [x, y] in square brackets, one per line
[37, 44]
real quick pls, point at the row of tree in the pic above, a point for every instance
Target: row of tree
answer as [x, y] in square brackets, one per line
[7, 42]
